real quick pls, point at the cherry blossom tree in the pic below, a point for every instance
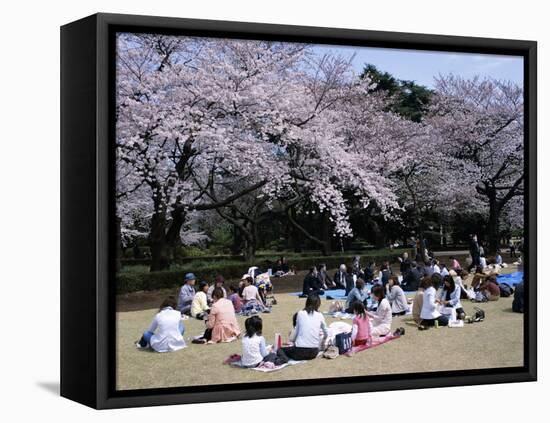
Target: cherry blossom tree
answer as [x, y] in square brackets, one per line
[479, 123]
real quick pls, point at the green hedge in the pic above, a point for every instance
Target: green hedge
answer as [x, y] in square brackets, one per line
[259, 257]
[148, 281]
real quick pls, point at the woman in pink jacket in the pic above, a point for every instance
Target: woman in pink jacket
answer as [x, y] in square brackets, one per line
[222, 320]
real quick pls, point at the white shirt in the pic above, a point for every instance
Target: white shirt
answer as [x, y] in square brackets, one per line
[382, 316]
[167, 336]
[309, 328]
[254, 350]
[250, 292]
[429, 307]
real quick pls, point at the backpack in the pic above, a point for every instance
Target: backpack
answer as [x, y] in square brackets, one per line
[479, 316]
[343, 342]
[505, 290]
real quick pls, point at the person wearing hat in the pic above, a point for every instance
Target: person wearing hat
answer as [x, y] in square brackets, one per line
[218, 283]
[187, 293]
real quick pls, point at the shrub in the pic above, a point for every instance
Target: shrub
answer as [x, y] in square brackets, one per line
[138, 279]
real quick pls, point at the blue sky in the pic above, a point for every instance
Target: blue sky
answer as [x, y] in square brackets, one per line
[422, 66]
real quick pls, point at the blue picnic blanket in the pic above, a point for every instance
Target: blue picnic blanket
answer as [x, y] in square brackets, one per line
[337, 294]
[511, 279]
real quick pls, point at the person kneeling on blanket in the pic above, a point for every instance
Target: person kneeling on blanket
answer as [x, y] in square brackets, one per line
[306, 336]
[429, 314]
[254, 350]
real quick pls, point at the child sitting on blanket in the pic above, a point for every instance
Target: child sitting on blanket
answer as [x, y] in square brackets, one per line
[199, 306]
[235, 298]
[255, 350]
[360, 332]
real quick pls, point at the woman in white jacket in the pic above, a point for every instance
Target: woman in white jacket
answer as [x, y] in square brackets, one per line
[450, 296]
[166, 330]
[430, 313]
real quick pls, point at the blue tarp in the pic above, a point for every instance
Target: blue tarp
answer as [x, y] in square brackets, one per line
[337, 294]
[511, 279]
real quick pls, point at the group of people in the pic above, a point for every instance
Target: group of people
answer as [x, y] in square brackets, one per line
[212, 304]
[439, 291]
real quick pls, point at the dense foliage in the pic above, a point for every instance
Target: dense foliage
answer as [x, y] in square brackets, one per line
[239, 145]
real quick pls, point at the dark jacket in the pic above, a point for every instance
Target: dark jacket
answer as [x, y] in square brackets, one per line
[324, 277]
[517, 304]
[343, 281]
[411, 280]
[368, 274]
[312, 284]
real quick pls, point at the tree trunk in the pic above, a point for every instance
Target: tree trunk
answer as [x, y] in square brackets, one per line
[327, 235]
[380, 240]
[160, 254]
[237, 243]
[296, 237]
[118, 251]
[493, 233]
[249, 251]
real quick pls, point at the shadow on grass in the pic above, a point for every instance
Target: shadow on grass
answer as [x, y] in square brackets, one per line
[51, 387]
[510, 310]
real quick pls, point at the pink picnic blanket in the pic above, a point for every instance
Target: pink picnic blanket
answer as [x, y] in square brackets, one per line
[375, 342]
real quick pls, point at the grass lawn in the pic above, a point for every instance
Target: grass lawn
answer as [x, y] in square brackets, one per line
[496, 342]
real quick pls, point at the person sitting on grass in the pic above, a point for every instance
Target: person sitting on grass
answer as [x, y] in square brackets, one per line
[385, 273]
[479, 278]
[450, 296]
[312, 283]
[357, 294]
[455, 265]
[341, 278]
[517, 303]
[166, 330]
[307, 333]
[187, 293]
[498, 258]
[250, 291]
[235, 298]
[199, 306]
[490, 289]
[368, 272]
[396, 297]
[382, 317]
[221, 320]
[418, 300]
[218, 282]
[429, 313]
[254, 349]
[326, 280]
[411, 279]
[361, 326]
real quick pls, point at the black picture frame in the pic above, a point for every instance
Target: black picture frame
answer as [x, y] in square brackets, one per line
[87, 210]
